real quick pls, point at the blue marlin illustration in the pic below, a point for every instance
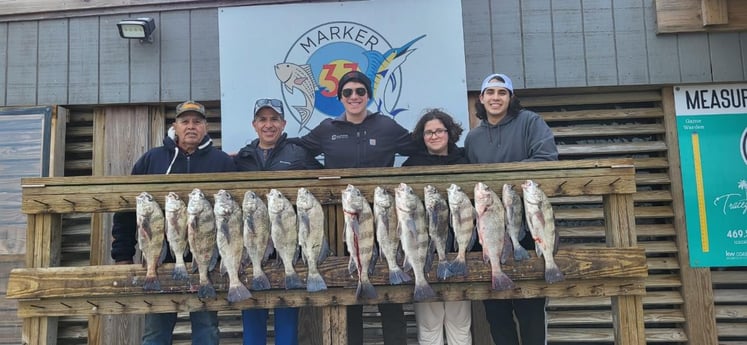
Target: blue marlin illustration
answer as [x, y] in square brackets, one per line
[381, 68]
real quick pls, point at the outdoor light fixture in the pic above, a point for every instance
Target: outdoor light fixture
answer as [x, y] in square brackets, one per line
[139, 28]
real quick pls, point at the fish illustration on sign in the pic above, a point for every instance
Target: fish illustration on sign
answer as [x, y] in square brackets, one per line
[300, 77]
[381, 68]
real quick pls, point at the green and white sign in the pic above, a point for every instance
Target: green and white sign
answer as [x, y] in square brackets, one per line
[712, 129]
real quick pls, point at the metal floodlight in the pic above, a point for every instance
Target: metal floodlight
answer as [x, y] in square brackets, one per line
[139, 28]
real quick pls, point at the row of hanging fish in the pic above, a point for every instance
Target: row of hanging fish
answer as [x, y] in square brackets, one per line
[238, 233]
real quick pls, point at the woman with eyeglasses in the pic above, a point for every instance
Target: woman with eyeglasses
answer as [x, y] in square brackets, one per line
[436, 134]
[359, 138]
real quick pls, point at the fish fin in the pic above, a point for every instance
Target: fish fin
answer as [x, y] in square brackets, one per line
[223, 269]
[520, 253]
[443, 272]
[238, 293]
[365, 290]
[296, 255]
[268, 250]
[145, 229]
[225, 230]
[164, 253]
[423, 292]
[374, 260]
[472, 240]
[406, 266]
[213, 259]
[553, 275]
[352, 267]
[429, 256]
[152, 284]
[508, 248]
[458, 267]
[557, 242]
[261, 282]
[315, 282]
[500, 281]
[538, 249]
[397, 276]
[193, 266]
[206, 291]
[293, 281]
[180, 273]
[324, 253]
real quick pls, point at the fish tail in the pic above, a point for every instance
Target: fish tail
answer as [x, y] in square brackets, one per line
[520, 253]
[423, 291]
[260, 282]
[501, 282]
[152, 284]
[315, 282]
[443, 270]
[180, 272]
[238, 293]
[397, 276]
[553, 274]
[365, 290]
[293, 281]
[458, 267]
[206, 291]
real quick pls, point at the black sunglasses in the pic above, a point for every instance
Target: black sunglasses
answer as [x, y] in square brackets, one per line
[361, 91]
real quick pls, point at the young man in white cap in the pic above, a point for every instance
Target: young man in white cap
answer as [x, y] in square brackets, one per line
[186, 149]
[509, 133]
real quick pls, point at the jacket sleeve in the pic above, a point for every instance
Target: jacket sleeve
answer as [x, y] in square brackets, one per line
[312, 141]
[123, 232]
[406, 146]
[542, 142]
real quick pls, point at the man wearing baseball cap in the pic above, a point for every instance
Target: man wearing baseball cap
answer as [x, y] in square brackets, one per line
[509, 133]
[270, 152]
[187, 149]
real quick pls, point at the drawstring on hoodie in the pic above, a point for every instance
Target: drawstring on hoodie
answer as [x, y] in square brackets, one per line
[172, 135]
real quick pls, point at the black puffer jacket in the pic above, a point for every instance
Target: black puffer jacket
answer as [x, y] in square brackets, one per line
[284, 156]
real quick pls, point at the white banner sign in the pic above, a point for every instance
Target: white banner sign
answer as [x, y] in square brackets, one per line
[413, 51]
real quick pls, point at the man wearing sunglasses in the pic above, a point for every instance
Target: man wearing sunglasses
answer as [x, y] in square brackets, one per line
[270, 152]
[359, 138]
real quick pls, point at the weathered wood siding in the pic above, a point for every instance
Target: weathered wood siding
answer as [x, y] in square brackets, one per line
[540, 43]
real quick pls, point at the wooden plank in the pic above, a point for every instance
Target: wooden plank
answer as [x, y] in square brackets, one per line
[145, 65]
[536, 29]
[3, 61]
[507, 42]
[57, 141]
[165, 302]
[600, 131]
[121, 280]
[687, 16]
[602, 115]
[696, 282]
[599, 98]
[714, 12]
[334, 325]
[114, 62]
[43, 250]
[175, 72]
[568, 43]
[728, 277]
[53, 62]
[204, 67]
[599, 43]
[695, 58]
[630, 42]
[21, 66]
[610, 149]
[662, 55]
[726, 56]
[84, 61]
[730, 312]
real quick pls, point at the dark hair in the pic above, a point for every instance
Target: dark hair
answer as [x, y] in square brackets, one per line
[514, 105]
[454, 128]
[354, 76]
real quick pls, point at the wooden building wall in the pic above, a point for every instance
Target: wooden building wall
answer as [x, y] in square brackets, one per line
[540, 43]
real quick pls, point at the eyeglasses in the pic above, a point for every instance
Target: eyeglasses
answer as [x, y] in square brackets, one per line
[361, 91]
[437, 132]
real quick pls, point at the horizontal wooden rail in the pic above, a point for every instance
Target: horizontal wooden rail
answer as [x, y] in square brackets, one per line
[117, 193]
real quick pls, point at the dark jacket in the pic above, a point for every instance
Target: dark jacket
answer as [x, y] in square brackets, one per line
[284, 156]
[371, 143]
[167, 159]
[456, 156]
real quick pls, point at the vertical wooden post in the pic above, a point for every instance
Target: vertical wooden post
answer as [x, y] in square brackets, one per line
[627, 311]
[141, 127]
[43, 249]
[697, 287]
[334, 325]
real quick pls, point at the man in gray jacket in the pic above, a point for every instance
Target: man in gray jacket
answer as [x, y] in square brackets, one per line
[509, 133]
